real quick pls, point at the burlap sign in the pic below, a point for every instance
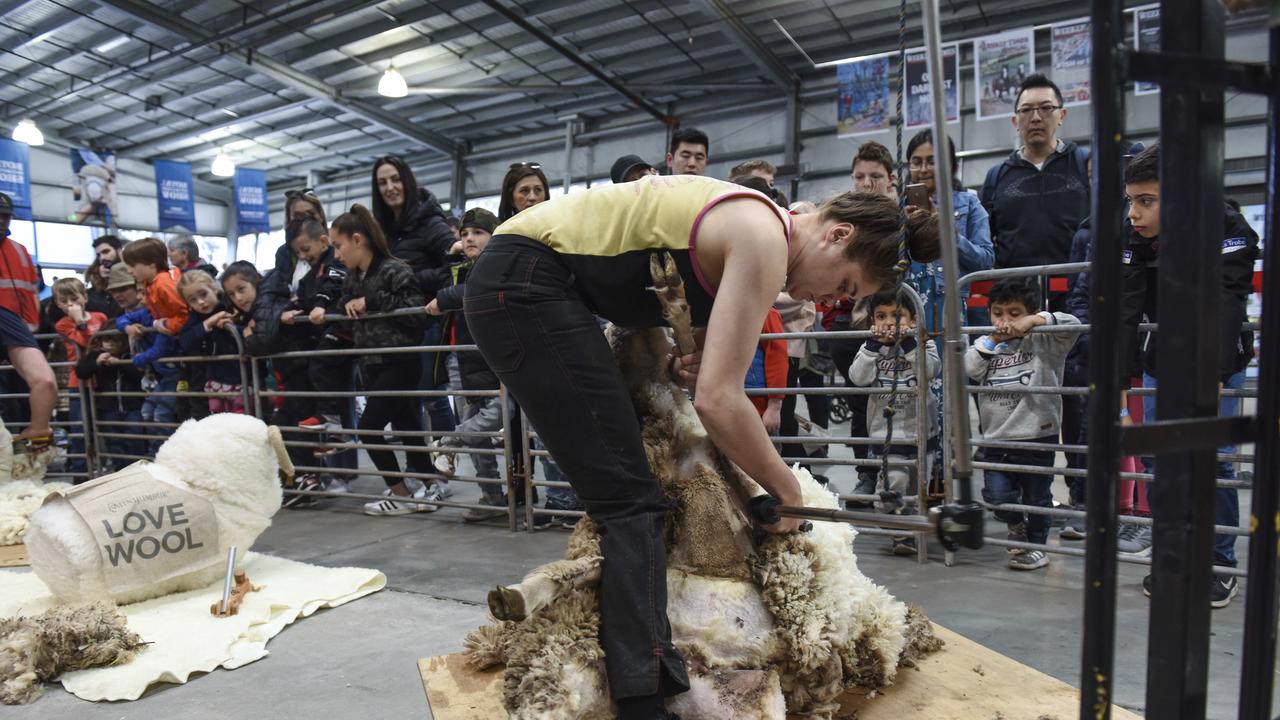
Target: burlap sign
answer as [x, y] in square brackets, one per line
[147, 530]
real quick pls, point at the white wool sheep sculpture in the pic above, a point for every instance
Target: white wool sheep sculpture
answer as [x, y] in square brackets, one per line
[231, 460]
[786, 627]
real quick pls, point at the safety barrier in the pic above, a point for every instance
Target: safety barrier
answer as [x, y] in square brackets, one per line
[1071, 448]
[519, 451]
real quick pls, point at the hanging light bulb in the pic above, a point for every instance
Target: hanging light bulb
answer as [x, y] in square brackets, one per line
[392, 84]
[222, 166]
[27, 132]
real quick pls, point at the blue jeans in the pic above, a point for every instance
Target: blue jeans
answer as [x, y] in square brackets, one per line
[1226, 503]
[439, 412]
[118, 446]
[161, 409]
[1004, 486]
[76, 463]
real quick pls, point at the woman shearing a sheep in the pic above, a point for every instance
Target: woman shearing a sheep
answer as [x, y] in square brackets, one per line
[531, 301]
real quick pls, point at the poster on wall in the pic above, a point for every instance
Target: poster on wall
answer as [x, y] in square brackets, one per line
[1001, 63]
[1146, 38]
[15, 176]
[862, 105]
[1072, 50]
[175, 195]
[250, 187]
[919, 99]
[93, 187]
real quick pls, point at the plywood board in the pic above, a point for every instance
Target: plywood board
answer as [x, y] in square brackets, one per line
[963, 681]
[14, 556]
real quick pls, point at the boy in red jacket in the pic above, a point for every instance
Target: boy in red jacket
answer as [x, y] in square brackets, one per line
[77, 328]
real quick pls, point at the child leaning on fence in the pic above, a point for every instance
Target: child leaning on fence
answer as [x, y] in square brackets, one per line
[378, 283]
[482, 414]
[1013, 357]
[317, 295]
[96, 367]
[146, 349]
[888, 359]
[208, 332]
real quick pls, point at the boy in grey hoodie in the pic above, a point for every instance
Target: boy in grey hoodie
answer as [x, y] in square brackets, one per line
[880, 364]
[1014, 357]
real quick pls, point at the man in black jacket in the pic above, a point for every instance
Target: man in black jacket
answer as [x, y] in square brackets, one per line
[1141, 279]
[1037, 197]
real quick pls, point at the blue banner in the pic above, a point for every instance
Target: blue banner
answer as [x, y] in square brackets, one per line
[252, 215]
[175, 195]
[15, 176]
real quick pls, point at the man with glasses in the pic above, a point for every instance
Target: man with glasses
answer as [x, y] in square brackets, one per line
[1037, 197]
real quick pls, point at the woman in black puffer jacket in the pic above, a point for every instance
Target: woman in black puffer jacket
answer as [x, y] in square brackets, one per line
[418, 233]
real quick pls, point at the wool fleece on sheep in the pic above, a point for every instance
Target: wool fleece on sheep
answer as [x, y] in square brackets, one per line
[786, 626]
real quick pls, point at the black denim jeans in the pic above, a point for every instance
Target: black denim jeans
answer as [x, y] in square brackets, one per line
[544, 343]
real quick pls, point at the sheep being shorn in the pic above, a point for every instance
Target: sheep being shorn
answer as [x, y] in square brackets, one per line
[784, 627]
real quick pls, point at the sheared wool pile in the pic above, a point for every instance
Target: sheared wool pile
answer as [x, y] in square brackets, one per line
[785, 627]
[18, 500]
[36, 650]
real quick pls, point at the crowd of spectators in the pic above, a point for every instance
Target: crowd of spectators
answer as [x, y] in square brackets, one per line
[356, 282]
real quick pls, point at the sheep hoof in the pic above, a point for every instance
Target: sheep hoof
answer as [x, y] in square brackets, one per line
[507, 604]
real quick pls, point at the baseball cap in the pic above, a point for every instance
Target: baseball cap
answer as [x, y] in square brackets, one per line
[626, 164]
[6, 204]
[119, 277]
[480, 219]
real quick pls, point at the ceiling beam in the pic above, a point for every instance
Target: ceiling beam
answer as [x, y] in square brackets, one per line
[156, 143]
[578, 88]
[573, 57]
[741, 35]
[285, 74]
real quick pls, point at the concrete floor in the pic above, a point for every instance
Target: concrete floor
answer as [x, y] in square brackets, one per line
[359, 660]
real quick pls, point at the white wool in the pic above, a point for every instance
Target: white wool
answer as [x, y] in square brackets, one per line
[737, 694]
[227, 459]
[723, 621]
[18, 500]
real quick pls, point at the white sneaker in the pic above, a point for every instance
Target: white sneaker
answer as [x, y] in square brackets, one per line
[444, 488]
[389, 506]
[445, 463]
[434, 493]
[338, 485]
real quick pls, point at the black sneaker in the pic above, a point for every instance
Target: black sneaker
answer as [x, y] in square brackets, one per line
[1146, 585]
[306, 484]
[1221, 589]
[904, 546]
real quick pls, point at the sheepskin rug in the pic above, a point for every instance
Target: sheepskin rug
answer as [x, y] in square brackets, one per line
[183, 639]
[784, 627]
[229, 459]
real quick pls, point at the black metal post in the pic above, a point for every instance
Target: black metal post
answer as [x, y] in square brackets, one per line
[1190, 277]
[1260, 612]
[1098, 652]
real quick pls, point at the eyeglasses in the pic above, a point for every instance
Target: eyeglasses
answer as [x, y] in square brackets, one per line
[918, 163]
[1043, 110]
[530, 165]
[304, 192]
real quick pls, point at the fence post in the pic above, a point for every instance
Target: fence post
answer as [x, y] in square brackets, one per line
[507, 453]
[88, 429]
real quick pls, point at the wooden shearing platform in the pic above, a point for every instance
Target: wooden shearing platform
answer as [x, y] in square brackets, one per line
[963, 681]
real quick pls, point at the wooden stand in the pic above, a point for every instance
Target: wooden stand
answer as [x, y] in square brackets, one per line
[14, 556]
[963, 681]
[241, 588]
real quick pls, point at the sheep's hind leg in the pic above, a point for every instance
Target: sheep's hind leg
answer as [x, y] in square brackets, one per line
[540, 587]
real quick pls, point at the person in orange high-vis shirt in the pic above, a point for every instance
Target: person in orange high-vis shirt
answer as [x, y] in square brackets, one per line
[19, 314]
[148, 262]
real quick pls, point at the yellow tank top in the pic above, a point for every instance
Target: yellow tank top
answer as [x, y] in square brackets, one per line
[605, 236]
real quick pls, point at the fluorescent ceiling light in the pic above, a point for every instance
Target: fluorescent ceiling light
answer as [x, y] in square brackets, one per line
[27, 132]
[222, 166]
[110, 45]
[392, 84]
